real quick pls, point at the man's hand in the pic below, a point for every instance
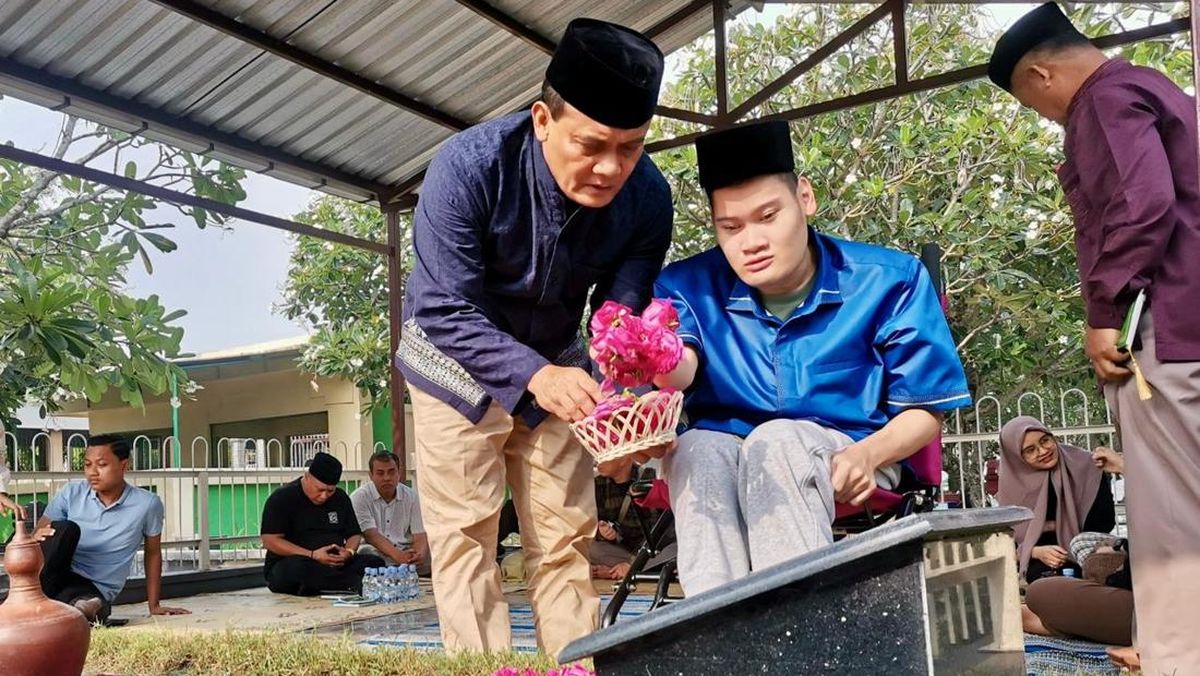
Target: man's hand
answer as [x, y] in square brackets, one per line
[330, 555]
[8, 505]
[853, 476]
[407, 556]
[44, 532]
[619, 470]
[567, 392]
[1101, 348]
[606, 532]
[1051, 555]
[1108, 460]
[168, 610]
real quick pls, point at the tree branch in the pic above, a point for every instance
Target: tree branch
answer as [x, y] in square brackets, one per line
[43, 180]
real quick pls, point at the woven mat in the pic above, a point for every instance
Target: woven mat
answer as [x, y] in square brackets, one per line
[1046, 656]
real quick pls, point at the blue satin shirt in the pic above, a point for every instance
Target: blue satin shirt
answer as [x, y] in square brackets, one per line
[868, 342]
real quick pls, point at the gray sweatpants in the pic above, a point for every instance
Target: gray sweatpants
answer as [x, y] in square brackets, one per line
[747, 504]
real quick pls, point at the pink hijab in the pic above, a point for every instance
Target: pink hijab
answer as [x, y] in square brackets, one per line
[1076, 481]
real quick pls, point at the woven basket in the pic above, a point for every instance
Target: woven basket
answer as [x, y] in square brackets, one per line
[648, 423]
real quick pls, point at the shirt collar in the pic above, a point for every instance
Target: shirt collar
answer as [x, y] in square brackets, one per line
[119, 501]
[546, 185]
[373, 492]
[825, 289]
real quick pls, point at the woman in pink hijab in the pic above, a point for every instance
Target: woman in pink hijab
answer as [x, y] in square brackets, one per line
[1065, 488]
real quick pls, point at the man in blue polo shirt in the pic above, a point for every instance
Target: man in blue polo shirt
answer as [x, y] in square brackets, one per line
[813, 367]
[91, 532]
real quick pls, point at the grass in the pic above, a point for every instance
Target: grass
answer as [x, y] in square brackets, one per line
[115, 651]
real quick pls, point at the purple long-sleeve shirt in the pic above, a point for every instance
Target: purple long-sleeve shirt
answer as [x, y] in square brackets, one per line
[1131, 178]
[504, 263]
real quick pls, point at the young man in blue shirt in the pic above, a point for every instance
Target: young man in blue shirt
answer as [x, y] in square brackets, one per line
[813, 367]
[91, 532]
[520, 218]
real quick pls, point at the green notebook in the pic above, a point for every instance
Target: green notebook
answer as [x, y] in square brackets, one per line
[1133, 318]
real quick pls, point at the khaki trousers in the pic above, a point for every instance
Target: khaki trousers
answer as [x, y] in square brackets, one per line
[462, 469]
[1161, 440]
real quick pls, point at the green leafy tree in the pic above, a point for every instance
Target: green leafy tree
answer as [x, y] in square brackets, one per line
[68, 326]
[341, 293]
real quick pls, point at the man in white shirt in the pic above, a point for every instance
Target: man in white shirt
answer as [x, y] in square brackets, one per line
[390, 515]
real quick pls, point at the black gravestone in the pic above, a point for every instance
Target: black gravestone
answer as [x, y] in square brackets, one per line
[932, 593]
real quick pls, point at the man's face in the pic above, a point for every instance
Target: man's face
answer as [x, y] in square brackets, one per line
[385, 475]
[1037, 86]
[104, 471]
[762, 227]
[318, 493]
[589, 161]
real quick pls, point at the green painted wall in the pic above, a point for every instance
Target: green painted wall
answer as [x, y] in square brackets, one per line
[381, 426]
[236, 510]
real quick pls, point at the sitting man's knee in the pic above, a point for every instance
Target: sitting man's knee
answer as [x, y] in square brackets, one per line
[66, 529]
[788, 438]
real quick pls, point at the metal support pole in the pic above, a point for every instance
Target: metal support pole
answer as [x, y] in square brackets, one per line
[722, 83]
[395, 307]
[900, 40]
[202, 507]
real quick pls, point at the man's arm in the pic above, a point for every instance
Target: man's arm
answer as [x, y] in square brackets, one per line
[853, 469]
[277, 544]
[420, 544]
[684, 374]
[1127, 165]
[449, 227]
[153, 546]
[384, 545]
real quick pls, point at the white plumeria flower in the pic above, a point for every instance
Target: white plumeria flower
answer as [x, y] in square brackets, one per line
[1063, 340]
[856, 143]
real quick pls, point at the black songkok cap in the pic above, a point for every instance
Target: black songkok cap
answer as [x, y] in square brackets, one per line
[326, 469]
[610, 73]
[731, 156]
[1029, 32]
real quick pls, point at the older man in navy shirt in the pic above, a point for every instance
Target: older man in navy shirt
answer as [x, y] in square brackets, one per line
[1131, 178]
[813, 367]
[519, 220]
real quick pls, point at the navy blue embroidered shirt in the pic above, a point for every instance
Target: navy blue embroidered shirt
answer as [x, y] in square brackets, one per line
[504, 263]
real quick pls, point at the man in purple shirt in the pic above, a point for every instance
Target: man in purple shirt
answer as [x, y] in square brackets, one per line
[520, 218]
[1131, 178]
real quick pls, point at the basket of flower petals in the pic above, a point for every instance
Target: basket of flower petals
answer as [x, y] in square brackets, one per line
[631, 350]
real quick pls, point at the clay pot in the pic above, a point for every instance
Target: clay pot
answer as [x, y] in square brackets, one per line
[38, 636]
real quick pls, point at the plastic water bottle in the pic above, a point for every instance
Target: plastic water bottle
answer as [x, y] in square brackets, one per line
[416, 581]
[410, 575]
[393, 584]
[386, 585]
[369, 587]
[1068, 572]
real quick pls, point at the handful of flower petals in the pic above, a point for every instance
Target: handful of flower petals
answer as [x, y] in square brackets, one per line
[630, 351]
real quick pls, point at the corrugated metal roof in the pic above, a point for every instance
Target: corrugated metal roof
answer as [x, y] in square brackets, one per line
[147, 65]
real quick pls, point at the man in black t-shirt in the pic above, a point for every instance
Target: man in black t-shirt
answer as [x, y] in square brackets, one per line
[312, 536]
